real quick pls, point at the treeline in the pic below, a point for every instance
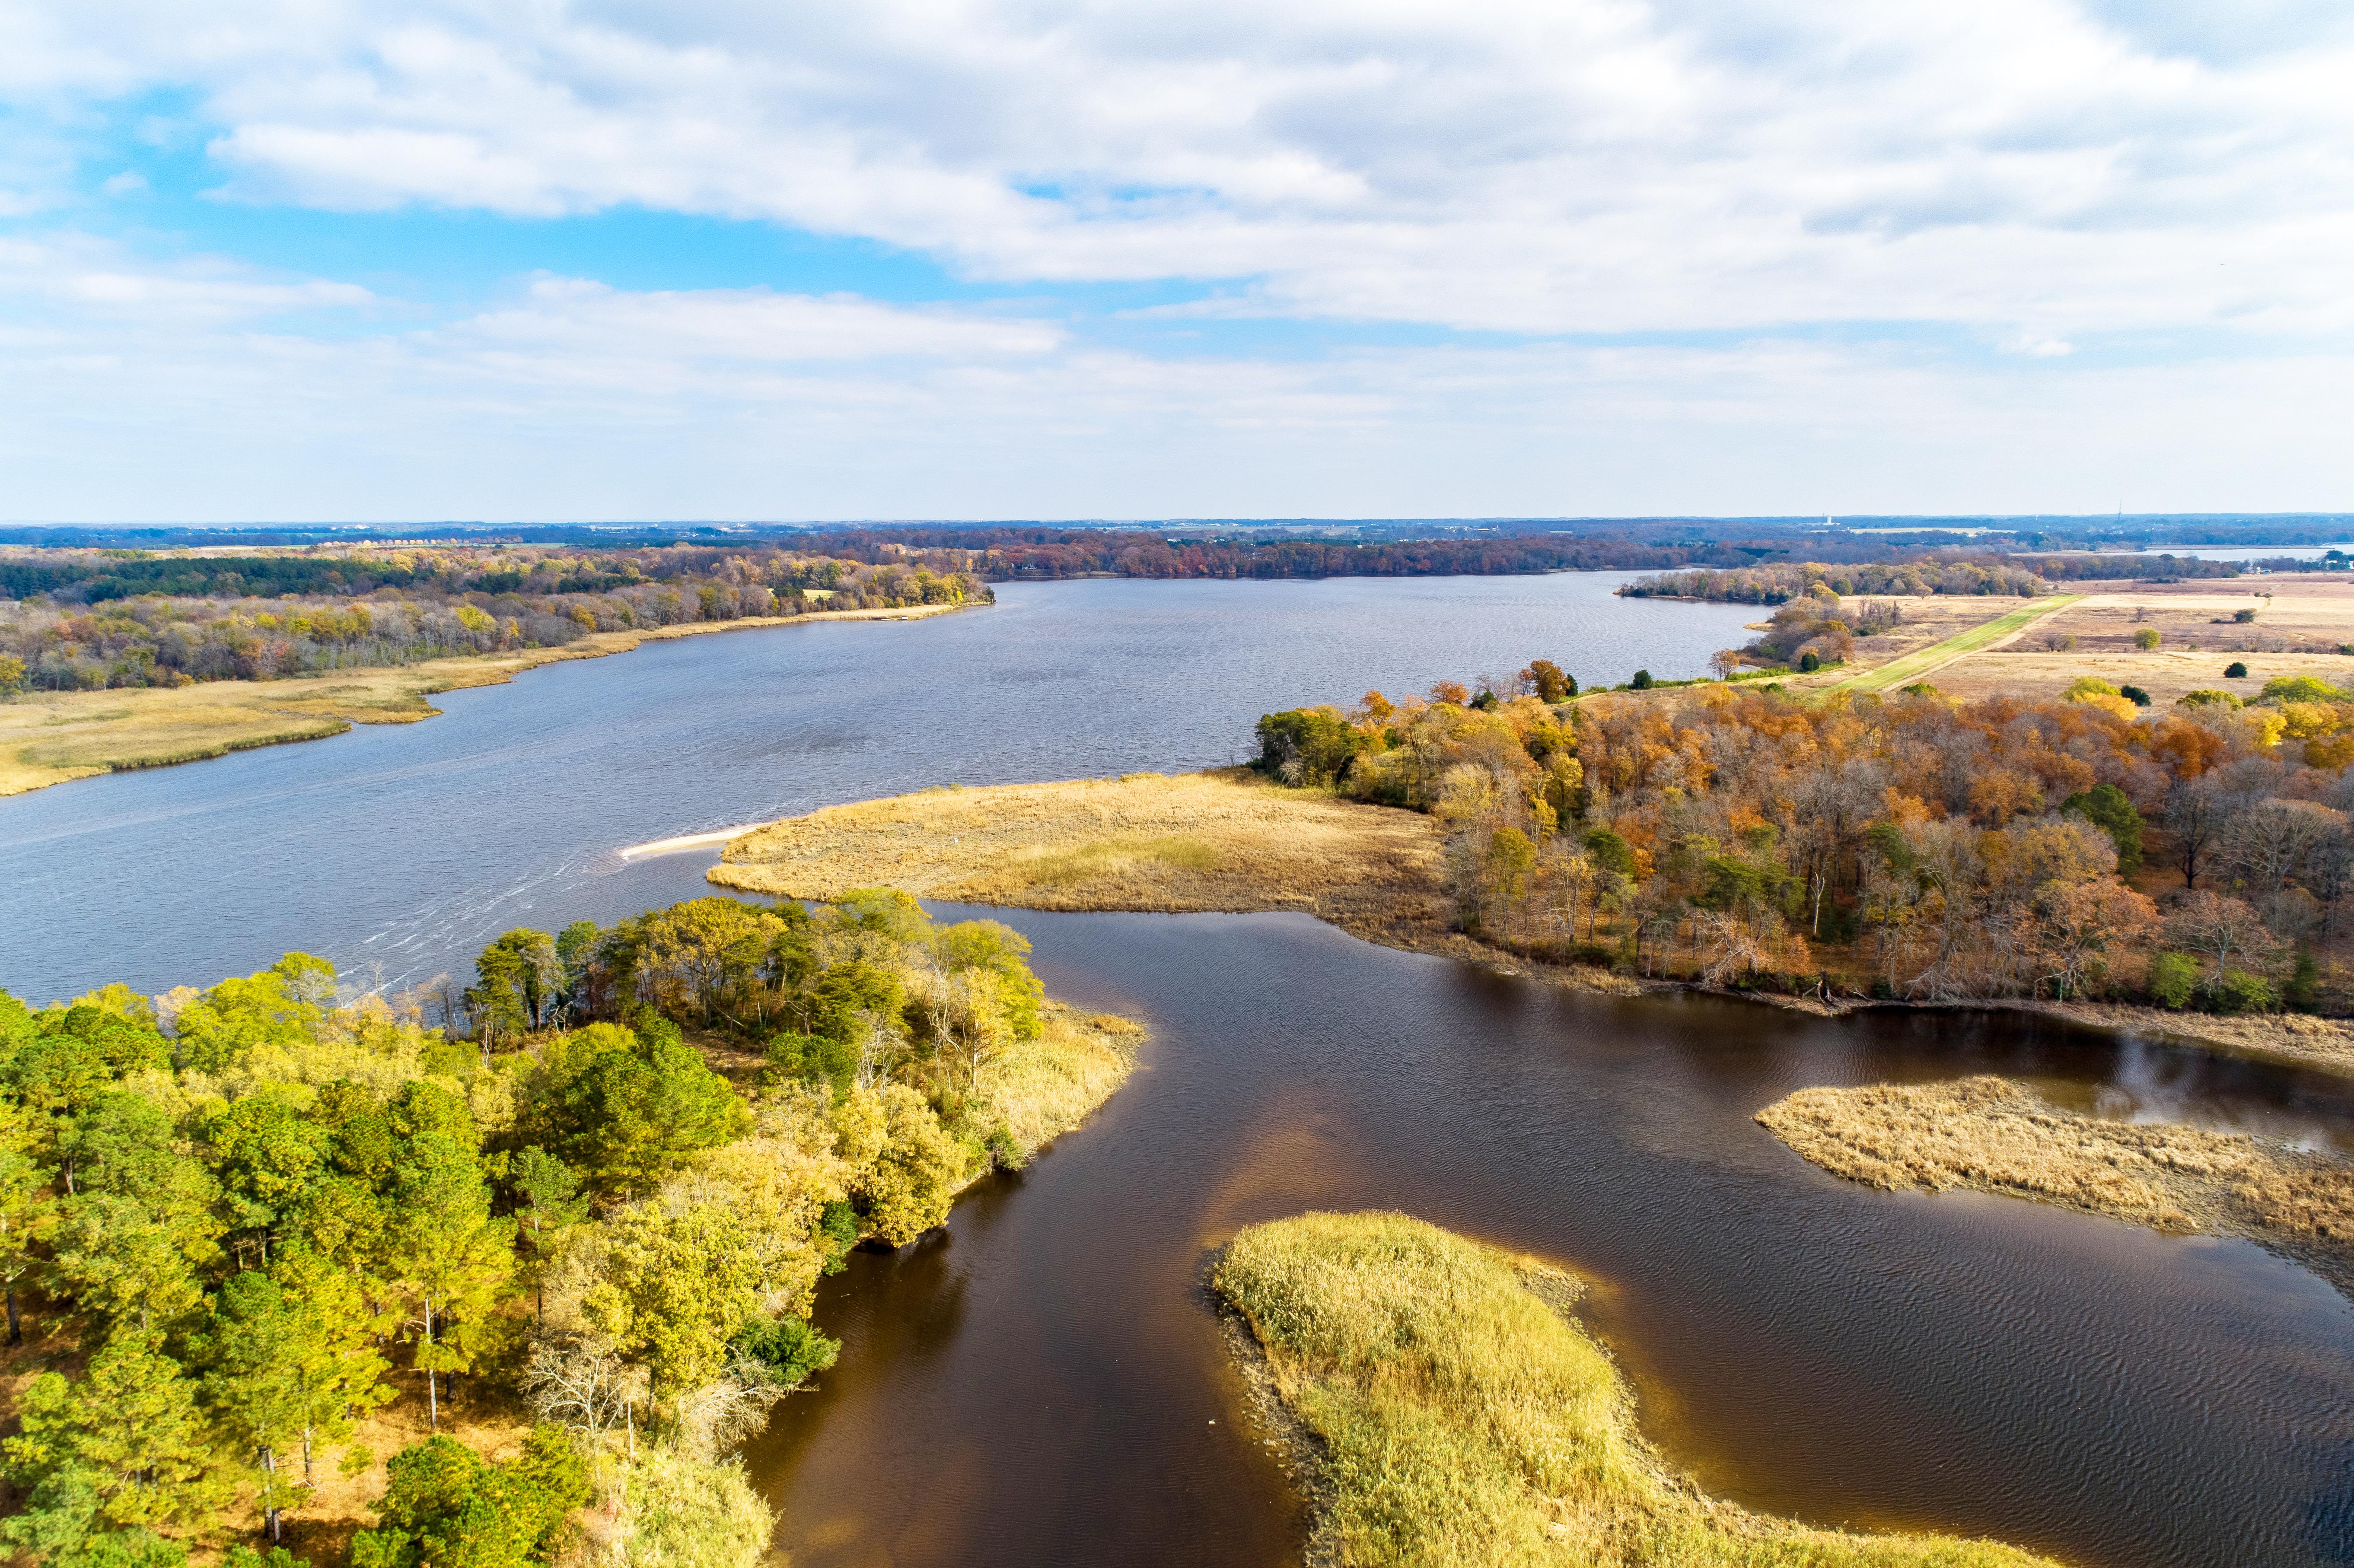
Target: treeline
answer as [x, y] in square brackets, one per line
[1917, 847]
[1778, 584]
[236, 1223]
[98, 619]
[1925, 573]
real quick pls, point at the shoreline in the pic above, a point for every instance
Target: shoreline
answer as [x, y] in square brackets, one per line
[51, 739]
[1170, 844]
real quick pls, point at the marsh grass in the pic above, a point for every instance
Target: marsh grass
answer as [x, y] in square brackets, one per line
[1468, 1422]
[1194, 843]
[1044, 1087]
[1994, 1135]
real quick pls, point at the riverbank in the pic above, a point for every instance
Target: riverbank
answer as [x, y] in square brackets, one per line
[1226, 841]
[1456, 1414]
[1230, 842]
[52, 737]
[1043, 1088]
[1992, 1135]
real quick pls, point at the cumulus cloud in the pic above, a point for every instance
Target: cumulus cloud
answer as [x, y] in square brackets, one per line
[1550, 166]
[1803, 255]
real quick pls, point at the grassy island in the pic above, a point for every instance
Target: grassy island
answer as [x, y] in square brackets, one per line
[1226, 841]
[1462, 1419]
[1993, 1135]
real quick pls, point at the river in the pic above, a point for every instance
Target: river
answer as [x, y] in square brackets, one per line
[399, 850]
[1040, 1382]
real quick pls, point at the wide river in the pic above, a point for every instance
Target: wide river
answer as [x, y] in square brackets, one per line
[1040, 1382]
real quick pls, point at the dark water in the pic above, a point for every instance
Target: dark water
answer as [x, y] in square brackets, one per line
[1042, 1384]
[410, 846]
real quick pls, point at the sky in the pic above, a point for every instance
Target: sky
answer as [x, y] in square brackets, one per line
[320, 260]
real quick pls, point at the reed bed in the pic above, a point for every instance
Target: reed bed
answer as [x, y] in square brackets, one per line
[1995, 1134]
[1194, 843]
[1044, 1087]
[1466, 1421]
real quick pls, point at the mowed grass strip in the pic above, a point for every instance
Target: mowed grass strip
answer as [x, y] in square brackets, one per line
[1468, 1423]
[1911, 667]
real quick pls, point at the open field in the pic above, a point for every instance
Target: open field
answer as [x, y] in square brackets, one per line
[1993, 1135]
[49, 737]
[1963, 650]
[1450, 1412]
[1921, 663]
[1224, 841]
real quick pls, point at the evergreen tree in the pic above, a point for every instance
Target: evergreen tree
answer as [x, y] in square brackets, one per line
[252, 1381]
[118, 1455]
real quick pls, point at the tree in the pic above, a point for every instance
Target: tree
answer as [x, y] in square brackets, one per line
[905, 1186]
[2219, 929]
[624, 1108]
[1547, 679]
[521, 982]
[449, 1253]
[445, 1507]
[252, 1381]
[265, 1154]
[2109, 809]
[122, 1453]
[548, 1201]
[332, 1332]
[2077, 924]
[277, 1007]
[2194, 815]
[28, 1207]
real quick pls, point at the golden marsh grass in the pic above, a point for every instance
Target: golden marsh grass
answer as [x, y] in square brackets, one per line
[1466, 1421]
[1044, 1087]
[1993, 1135]
[1194, 843]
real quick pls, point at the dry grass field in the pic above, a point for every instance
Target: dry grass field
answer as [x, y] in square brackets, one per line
[1194, 843]
[1993, 1135]
[2302, 621]
[1455, 1416]
[49, 737]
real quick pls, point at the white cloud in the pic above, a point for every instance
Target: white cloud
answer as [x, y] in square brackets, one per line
[1920, 238]
[2026, 165]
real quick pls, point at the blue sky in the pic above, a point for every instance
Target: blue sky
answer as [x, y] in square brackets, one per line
[279, 259]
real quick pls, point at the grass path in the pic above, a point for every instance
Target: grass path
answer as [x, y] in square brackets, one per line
[1912, 666]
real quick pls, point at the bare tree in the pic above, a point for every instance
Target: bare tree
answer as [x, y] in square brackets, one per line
[588, 1387]
[2194, 814]
[2220, 929]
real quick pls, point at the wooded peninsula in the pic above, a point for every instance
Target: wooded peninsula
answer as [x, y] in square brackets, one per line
[494, 1273]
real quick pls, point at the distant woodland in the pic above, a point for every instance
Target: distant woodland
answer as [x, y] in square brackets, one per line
[1914, 847]
[88, 620]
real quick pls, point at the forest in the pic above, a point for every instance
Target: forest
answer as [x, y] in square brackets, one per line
[1912, 847]
[92, 619]
[247, 1231]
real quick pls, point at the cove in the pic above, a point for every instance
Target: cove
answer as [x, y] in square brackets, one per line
[1042, 1381]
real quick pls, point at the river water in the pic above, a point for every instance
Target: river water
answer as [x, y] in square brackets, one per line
[402, 850]
[1040, 1382]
